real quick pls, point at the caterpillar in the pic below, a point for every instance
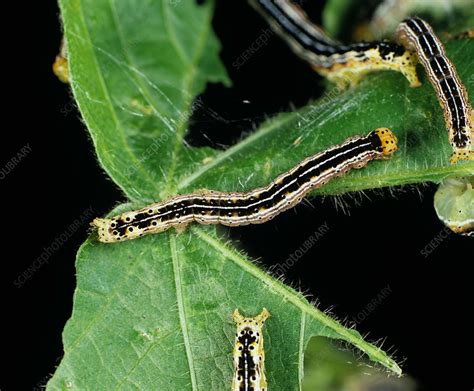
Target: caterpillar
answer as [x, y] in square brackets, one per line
[255, 206]
[248, 354]
[454, 204]
[340, 63]
[418, 35]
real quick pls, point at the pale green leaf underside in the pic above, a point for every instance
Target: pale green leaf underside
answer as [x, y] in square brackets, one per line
[155, 313]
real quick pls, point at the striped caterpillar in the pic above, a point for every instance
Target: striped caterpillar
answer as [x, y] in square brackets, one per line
[340, 63]
[416, 34]
[248, 354]
[255, 206]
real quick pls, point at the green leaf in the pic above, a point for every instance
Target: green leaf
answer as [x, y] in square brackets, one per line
[155, 313]
[135, 69]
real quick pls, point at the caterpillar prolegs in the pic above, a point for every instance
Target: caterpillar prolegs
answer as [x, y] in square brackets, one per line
[255, 206]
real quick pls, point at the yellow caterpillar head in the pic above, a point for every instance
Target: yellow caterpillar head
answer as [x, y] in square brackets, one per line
[103, 230]
[387, 140]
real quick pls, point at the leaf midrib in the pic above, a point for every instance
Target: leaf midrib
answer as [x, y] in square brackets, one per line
[410, 175]
[301, 348]
[181, 311]
[188, 82]
[105, 90]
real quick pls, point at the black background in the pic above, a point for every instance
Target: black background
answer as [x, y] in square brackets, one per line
[373, 244]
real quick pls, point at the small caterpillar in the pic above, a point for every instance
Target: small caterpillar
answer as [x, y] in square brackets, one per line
[454, 204]
[255, 206]
[337, 62]
[416, 34]
[248, 354]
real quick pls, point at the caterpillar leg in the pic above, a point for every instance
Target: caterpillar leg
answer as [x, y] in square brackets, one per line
[350, 73]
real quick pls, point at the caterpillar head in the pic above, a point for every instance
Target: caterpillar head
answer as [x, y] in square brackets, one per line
[388, 141]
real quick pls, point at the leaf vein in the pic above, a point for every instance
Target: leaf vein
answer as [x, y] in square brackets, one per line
[106, 92]
[181, 311]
